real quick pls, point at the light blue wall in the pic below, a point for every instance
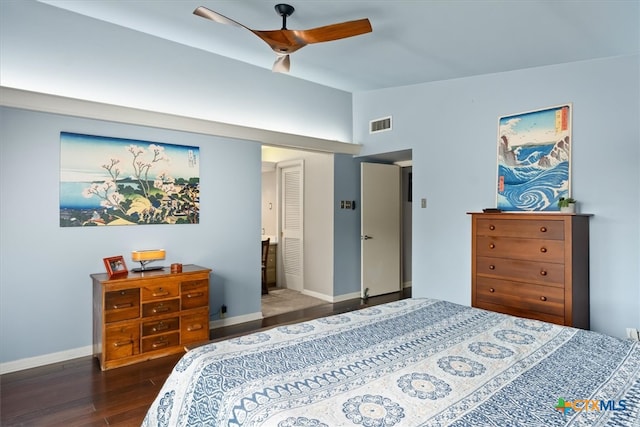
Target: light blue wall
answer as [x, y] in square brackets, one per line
[452, 128]
[45, 289]
[49, 50]
[346, 233]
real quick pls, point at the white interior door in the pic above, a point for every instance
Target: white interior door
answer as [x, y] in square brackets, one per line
[292, 224]
[380, 228]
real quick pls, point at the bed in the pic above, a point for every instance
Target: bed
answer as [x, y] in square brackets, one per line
[413, 362]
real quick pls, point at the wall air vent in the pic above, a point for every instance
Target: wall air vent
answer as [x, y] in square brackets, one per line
[380, 125]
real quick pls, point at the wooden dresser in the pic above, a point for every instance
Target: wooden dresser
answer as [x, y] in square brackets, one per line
[143, 316]
[533, 265]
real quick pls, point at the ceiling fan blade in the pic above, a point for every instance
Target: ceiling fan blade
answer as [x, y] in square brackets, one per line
[282, 64]
[215, 16]
[291, 40]
[334, 31]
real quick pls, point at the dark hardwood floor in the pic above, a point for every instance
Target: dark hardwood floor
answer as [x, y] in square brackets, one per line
[78, 393]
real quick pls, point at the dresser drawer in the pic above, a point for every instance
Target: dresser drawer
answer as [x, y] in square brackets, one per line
[121, 341]
[121, 305]
[153, 292]
[160, 342]
[523, 296]
[195, 293]
[551, 274]
[160, 326]
[160, 307]
[533, 229]
[518, 248]
[194, 327]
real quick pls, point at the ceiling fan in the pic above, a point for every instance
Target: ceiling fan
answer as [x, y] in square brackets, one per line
[285, 41]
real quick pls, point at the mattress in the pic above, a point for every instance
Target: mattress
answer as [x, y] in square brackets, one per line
[413, 362]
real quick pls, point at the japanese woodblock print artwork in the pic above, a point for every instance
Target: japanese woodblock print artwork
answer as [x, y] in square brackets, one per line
[534, 159]
[114, 181]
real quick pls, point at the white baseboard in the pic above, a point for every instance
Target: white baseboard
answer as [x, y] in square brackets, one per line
[318, 295]
[228, 321]
[45, 359]
[345, 297]
[330, 298]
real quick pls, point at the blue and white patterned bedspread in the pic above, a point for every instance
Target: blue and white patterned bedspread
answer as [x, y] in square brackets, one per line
[416, 362]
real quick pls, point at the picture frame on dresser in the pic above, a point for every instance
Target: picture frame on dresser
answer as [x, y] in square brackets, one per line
[115, 266]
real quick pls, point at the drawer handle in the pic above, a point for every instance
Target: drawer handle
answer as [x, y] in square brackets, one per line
[492, 227]
[160, 344]
[122, 343]
[194, 295]
[543, 273]
[491, 290]
[160, 293]
[125, 305]
[543, 250]
[195, 327]
[492, 246]
[161, 309]
[492, 267]
[161, 327]
[543, 298]
[543, 229]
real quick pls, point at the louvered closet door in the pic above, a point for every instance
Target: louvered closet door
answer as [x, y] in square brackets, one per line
[292, 199]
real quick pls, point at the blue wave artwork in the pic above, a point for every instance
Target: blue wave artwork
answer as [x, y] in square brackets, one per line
[534, 152]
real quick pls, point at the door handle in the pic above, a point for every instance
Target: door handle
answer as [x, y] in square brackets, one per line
[365, 237]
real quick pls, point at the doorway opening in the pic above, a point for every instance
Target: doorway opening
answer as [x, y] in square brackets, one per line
[297, 188]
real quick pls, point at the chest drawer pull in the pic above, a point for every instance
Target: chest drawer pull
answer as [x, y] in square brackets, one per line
[492, 246]
[160, 293]
[491, 290]
[543, 298]
[122, 343]
[492, 267]
[161, 309]
[543, 272]
[160, 344]
[543, 229]
[543, 250]
[161, 327]
[492, 227]
[195, 327]
[126, 305]
[194, 295]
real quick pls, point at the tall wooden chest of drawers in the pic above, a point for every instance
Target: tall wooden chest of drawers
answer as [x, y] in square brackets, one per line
[143, 316]
[533, 265]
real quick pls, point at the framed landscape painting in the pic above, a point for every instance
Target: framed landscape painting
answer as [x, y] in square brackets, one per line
[116, 181]
[534, 159]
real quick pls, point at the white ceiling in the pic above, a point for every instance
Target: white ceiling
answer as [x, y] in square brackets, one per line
[412, 41]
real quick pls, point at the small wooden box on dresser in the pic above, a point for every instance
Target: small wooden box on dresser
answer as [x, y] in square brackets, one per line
[533, 265]
[143, 316]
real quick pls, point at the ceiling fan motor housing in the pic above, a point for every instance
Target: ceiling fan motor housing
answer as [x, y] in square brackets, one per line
[284, 10]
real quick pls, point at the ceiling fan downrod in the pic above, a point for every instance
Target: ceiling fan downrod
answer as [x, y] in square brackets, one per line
[284, 10]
